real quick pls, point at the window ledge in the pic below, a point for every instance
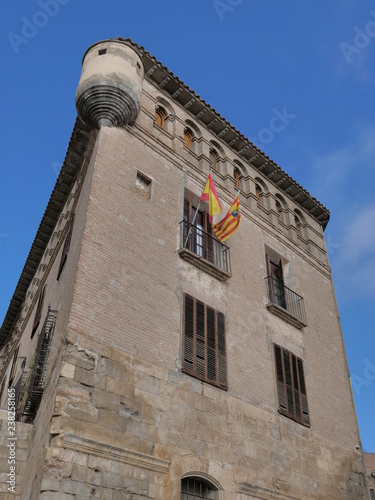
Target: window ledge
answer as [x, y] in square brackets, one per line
[301, 421]
[285, 315]
[203, 264]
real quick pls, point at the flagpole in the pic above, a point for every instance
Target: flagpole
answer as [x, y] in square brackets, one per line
[194, 217]
[192, 222]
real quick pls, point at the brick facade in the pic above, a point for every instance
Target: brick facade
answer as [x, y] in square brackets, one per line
[118, 418]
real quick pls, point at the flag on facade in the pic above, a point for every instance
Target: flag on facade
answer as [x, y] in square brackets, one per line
[229, 225]
[209, 194]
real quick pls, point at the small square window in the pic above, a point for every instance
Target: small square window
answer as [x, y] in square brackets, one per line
[143, 185]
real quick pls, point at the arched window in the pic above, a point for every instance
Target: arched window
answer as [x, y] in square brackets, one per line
[237, 178]
[160, 117]
[258, 194]
[188, 137]
[196, 489]
[278, 209]
[213, 159]
[297, 223]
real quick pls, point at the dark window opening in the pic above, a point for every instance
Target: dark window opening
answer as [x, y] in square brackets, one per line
[297, 224]
[66, 247]
[143, 185]
[275, 282]
[278, 209]
[200, 239]
[258, 193]
[196, 489]
[38, 312]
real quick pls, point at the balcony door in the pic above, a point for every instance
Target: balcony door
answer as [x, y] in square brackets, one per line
[198, 237]
[276, 282]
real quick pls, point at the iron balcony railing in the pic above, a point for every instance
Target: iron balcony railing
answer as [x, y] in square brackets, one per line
[38, 378]
[205, 246]
[284, 297]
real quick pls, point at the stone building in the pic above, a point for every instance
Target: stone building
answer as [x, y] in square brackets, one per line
[142, 357]
[370, 467]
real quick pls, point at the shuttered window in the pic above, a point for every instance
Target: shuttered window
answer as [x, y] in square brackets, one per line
[160, 118]
[188, 137]
[66, 247]
[38, 312]
[204, 353]
[237, 178]
[291, 386]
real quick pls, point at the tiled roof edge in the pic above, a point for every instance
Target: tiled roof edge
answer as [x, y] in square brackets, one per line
[323, 215]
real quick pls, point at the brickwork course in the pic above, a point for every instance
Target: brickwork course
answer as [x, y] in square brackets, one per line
[116, 415]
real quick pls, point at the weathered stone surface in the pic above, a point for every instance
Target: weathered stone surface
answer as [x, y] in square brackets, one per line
[79, 356]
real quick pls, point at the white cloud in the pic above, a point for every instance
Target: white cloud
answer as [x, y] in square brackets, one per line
[359, 238]
[345, 180]
[334, 176]
[354, 263]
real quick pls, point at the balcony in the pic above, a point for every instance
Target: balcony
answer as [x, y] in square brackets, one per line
[285, 303]
[204, 251]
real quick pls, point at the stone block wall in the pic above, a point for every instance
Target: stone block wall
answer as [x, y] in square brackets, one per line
[123, 428]
[8, 490]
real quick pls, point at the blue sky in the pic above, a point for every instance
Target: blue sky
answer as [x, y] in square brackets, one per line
[250, 59]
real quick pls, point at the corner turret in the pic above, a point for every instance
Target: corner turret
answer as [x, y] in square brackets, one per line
[110, 87]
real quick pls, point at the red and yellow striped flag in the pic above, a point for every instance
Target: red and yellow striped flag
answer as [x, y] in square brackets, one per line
[209, 194]
[229, 225]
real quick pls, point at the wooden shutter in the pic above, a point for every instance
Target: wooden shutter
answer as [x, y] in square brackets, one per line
[291, 387]
[188, 363]
[258, 194]
[65, 251]
[211, 346]
[237, 181]
[204, 353]
[302, 387]
[38, 312]
[280, 379]
[213, 160]
[200, 341]
[160, 118]
[222, 356]
[188, 139]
